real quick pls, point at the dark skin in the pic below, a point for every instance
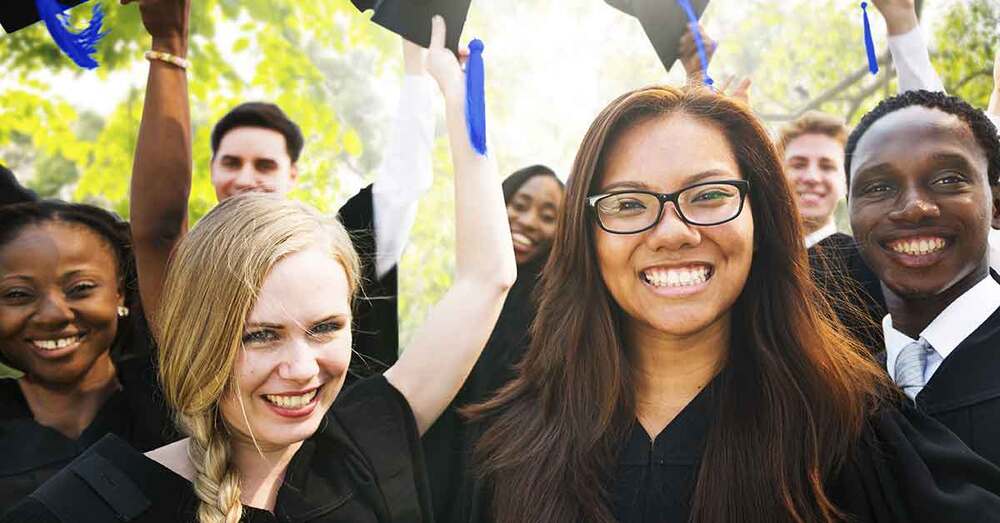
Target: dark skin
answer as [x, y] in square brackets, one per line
[161, 174]
[532, 213]
[919, 175]
[59, 283]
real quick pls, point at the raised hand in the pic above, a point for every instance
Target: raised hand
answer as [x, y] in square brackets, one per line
[167, 22]
[900, 15]
[740, 91]
[414, 58]
[687, 53]
[443, 65]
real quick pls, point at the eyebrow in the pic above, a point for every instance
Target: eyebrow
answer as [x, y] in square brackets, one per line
[952, 159]
[689, 180]
[278, 326]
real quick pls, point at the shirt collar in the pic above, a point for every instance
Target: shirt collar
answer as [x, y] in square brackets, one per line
[820, 234]
[950, 328]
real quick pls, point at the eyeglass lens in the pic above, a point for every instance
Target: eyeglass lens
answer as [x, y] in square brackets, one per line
[699, 205]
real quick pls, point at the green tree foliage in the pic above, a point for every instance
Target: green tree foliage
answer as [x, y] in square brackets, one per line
[965, 45]
[327, 67]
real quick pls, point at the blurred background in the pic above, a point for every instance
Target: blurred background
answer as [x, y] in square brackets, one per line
[551, 67]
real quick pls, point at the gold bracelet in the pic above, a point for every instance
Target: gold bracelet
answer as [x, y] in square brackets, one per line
[168, 58]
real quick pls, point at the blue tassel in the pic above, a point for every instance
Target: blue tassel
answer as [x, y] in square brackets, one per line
[702, 55]
[475, 93]
[869, 43]
[78, 46]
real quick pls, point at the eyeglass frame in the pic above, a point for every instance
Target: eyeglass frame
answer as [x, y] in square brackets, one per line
[743, 186]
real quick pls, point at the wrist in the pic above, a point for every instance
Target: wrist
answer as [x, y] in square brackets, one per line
[901, 23]
[175, 45]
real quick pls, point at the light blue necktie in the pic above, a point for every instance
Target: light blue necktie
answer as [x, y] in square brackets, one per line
[910, 366]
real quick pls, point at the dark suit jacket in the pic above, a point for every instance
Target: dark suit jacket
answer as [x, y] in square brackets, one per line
[964, 392]
[852, 288]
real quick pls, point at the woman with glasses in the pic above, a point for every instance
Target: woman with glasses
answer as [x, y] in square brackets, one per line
[682, 365]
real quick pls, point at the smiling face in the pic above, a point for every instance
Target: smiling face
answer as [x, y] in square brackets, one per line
[675, 278]
[920, 203]
[297, 347]
[59, 298]
[252, 159]
[815, 169]
[532, 213]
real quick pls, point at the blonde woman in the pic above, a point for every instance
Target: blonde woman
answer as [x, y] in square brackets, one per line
[254, 332]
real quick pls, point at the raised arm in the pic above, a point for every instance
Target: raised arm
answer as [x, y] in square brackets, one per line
[432, 369]
[687, 53]
[908, 46]
[993, 110]
[406, 171]
[161, 172]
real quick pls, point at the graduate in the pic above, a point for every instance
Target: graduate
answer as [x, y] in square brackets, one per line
[922, 169]
[273, 434]
[534, 197]
[72, 325]
[682, 365]
[255, 148]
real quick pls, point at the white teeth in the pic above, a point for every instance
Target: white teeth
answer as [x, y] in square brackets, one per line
[918, 247]
[55, 344]
[685, 277]
[522, 239]
[291, 402]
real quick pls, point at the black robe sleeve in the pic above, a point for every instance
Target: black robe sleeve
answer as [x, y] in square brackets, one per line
[376, 329]
[373, 422]
[910, 468]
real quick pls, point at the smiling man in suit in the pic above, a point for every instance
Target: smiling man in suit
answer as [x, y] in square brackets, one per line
[921, 168]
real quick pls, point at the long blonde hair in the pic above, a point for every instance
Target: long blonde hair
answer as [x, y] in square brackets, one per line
[212, 283]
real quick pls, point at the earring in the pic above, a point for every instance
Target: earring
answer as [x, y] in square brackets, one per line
[122, 311]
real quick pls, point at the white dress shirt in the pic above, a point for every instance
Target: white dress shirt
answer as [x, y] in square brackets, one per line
[406, 170]
[913, 62]
[821, 234]
[955, 323]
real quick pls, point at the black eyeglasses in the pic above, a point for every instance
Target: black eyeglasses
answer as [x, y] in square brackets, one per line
[702, 204]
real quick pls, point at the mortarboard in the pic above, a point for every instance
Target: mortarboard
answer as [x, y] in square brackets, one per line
[11, 191]
[79, 46]
[664, 22]
[411, 19]
[18, 14]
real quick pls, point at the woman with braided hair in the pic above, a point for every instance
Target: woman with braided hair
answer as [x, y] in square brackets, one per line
[254, 333]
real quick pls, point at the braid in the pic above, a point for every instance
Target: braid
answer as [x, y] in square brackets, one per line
[216, 481]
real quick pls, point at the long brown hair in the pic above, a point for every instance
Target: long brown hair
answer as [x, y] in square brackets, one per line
[793, 398]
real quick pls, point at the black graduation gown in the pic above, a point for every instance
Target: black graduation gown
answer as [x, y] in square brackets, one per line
[905, 468]
[31, 453]
[364, 464]
[853, 289]
[448, 443]
[376, 329]
[964, 392]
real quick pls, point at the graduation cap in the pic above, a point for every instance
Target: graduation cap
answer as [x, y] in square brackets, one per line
[79, 46]
[411, 19]
[11, 191]
[664, 22]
